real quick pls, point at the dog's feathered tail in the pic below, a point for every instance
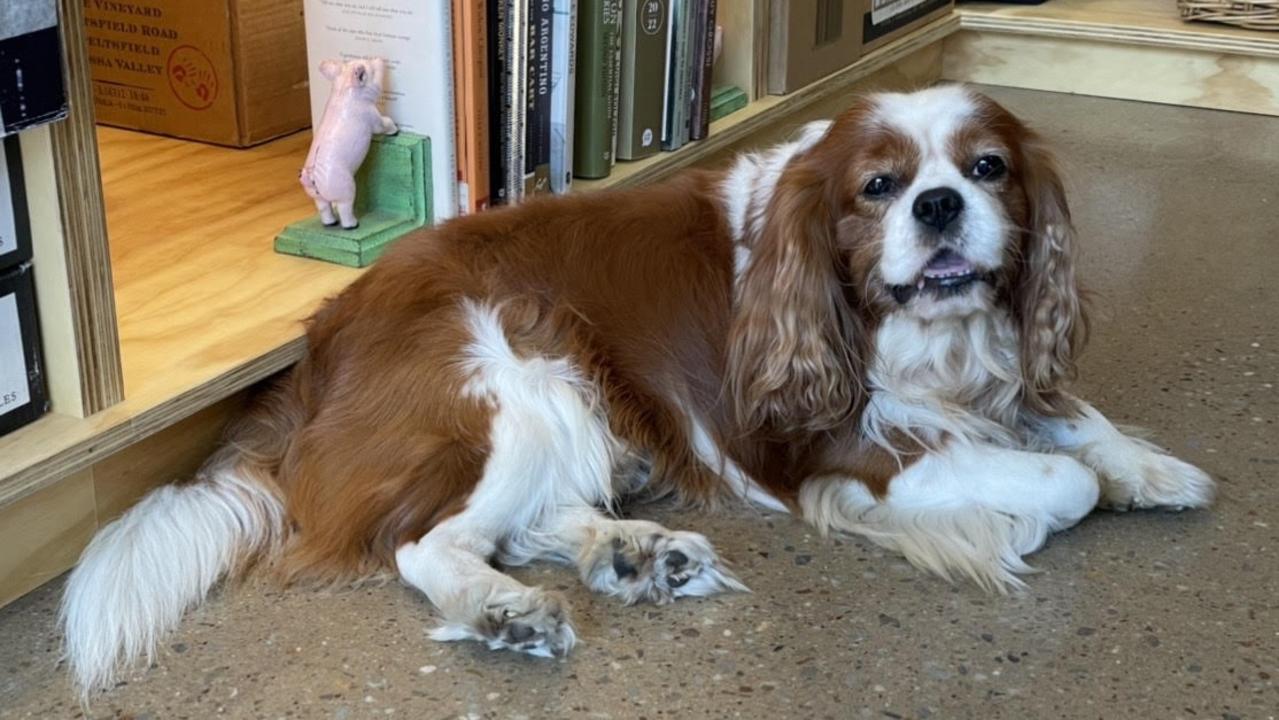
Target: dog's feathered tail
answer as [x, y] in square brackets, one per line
[144, 570]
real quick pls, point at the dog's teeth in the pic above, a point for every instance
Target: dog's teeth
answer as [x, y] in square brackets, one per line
[920, 285]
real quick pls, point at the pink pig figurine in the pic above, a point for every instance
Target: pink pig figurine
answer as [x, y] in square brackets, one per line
[351, 118]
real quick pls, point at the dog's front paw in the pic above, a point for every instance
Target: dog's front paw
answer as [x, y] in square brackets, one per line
[532, 621]
[1153, 479]
[658, 567]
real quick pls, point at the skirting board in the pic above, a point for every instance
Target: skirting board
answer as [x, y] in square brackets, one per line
[1174, 76]
[42, 534]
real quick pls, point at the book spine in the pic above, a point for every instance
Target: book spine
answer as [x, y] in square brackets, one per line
[443, 153]
[679, 79]
[537, 133]
[499, 138]
[592, 154]
[471, 103]
[643, 75]
[613, 89]
[672, 11]
[563, 86]
[517, 62]
[700, 122]
[778, 47]
[688, 35]
[461, 107]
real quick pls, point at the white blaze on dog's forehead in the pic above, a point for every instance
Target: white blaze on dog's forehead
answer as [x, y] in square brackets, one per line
[929, 117]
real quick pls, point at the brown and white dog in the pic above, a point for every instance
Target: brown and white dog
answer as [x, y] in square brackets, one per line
[870, 326]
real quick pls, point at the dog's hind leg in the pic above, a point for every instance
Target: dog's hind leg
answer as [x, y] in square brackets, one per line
[550, 452]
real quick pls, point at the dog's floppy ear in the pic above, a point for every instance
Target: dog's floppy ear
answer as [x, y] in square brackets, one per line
[1046, 297]
[793, 363]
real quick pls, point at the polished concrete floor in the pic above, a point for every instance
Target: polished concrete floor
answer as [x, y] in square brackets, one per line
[1146, 615]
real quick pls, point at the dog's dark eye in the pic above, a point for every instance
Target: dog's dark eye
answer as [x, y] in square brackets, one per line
[879, 185]
[988, 167]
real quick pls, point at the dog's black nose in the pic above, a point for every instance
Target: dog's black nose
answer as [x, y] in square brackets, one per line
[938, 207]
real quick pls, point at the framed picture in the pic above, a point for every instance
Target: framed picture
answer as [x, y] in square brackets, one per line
[15, 228]
[23, 396]
[31, 88]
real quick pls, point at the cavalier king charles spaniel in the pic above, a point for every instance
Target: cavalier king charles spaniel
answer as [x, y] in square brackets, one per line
[870, 327]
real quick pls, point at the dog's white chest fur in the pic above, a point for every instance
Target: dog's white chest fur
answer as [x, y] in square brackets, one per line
[957, 377]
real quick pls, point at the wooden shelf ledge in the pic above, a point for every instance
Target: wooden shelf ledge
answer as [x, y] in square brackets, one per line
[1129, 22]
[205, 308]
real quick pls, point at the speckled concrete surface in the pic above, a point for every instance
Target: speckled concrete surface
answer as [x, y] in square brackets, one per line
[1134, 616]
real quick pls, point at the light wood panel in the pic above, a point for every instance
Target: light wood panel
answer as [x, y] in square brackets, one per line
[1128, 49]
[1129, 72]
[42, 535]
[199, 290]
[75, 158]
[171, 455]
[1128, 22]
[55, 301]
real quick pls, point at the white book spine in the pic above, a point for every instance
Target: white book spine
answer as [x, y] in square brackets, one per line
[564, 50]
[518, 68]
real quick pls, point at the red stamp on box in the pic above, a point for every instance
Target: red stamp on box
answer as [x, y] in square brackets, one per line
[192, 78]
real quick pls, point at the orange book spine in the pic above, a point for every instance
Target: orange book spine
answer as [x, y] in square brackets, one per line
[470, 81]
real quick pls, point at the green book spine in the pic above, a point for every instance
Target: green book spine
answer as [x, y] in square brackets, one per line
[639, 112]
[599, 48]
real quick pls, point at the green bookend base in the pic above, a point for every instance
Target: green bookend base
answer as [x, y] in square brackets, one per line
[393, 199]
[726, 100]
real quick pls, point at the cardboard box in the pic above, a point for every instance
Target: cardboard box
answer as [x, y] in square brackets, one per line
[22, 390]
[231, 72]
[809, 39]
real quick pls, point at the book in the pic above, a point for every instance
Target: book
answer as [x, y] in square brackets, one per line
[501, 118]
[563, 81]
[599, 64]
[680, 72]
[416, 40]
[517, 94]
[470, 93]
[643, 77]
[537, 133]
[704, 55]
[674, 96]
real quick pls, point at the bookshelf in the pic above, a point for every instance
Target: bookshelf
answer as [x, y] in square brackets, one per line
[204, 309]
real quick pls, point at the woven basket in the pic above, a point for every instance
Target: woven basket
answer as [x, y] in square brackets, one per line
[1255, 14]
